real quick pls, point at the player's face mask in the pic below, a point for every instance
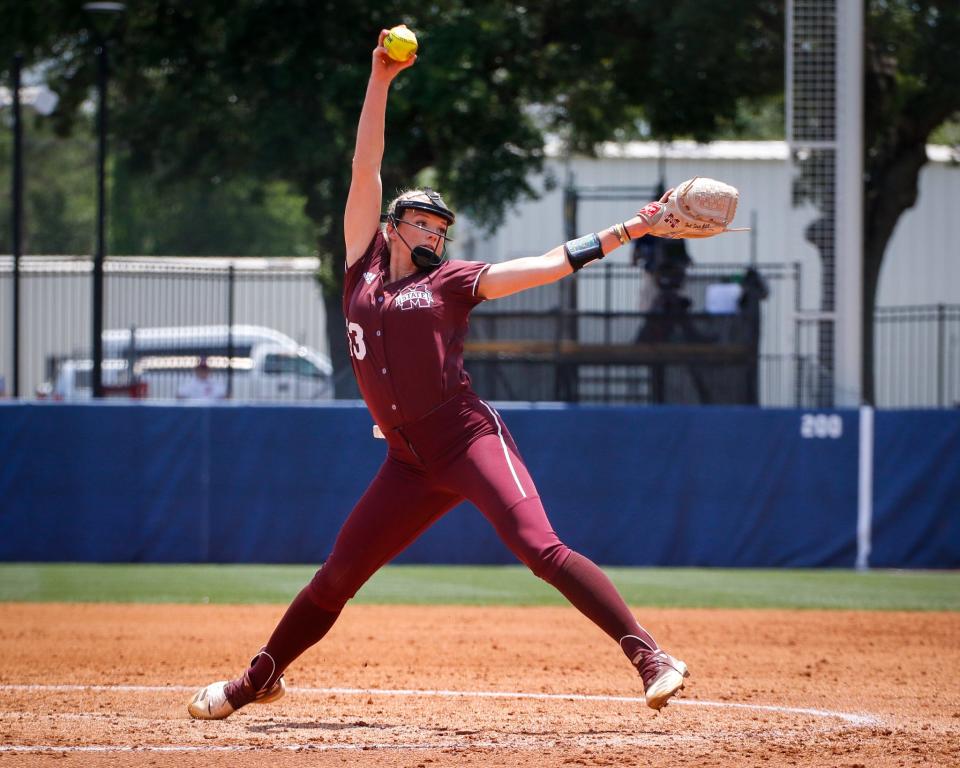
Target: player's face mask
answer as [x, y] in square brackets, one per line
[424, 257]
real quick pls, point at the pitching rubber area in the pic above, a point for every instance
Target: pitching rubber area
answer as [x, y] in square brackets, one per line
[429, 686]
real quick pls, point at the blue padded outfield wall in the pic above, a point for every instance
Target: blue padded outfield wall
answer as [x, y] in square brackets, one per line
[119, 482]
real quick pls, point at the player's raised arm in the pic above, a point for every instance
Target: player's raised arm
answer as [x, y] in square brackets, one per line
[362, 214]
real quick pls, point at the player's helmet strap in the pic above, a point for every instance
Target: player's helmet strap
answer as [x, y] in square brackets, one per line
[424, 258]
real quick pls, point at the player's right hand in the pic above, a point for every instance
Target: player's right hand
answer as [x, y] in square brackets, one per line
[383, 64]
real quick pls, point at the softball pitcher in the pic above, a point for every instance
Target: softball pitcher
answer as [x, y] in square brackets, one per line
[406, 310]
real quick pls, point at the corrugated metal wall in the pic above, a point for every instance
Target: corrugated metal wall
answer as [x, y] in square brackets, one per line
[55, 301]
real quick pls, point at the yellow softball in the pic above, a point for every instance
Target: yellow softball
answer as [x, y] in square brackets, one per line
[400, 43]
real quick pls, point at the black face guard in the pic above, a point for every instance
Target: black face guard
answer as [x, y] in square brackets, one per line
[424, 258]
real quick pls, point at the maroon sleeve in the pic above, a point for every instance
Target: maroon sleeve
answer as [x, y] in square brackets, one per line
[352, 275]
[460, 280]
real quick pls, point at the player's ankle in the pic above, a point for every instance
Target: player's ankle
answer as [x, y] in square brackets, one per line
[240, 692]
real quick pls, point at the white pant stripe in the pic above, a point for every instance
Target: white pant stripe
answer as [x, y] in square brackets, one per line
[503, 443]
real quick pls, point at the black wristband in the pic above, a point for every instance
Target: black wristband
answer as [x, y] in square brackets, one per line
[583, 250]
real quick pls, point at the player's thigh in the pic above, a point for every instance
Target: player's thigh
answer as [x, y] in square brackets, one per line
[398, 506]
[491, 474]
[490, 471]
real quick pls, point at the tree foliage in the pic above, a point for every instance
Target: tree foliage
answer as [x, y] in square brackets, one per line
[148, 216]
[270, 90]
[56, 218]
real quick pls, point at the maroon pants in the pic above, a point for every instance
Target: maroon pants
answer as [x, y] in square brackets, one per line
[462, 450]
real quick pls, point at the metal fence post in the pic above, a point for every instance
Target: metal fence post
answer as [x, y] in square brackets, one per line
[231, 296]
[17, 218]
[941, 319]
[798, 355]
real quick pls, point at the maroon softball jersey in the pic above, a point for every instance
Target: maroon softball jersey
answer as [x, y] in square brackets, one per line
[406, 338]
[444, 444]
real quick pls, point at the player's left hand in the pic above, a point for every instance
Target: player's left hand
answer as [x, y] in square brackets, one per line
[699, 207]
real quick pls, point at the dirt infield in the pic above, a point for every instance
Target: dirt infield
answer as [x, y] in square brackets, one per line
[435, 686]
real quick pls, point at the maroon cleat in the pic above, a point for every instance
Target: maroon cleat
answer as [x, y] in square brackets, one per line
[663, 677]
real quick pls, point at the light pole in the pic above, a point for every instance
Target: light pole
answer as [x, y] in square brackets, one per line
[104, 17]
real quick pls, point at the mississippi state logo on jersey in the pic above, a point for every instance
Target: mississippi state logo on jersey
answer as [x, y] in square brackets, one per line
[414, 297]
[369, 277]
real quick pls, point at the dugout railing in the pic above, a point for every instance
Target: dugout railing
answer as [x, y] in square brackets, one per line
[608, 340]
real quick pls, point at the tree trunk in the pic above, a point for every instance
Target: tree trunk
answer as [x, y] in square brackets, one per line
[902, 107]
[893, 188]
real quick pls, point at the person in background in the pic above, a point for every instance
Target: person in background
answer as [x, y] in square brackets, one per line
[201, 385]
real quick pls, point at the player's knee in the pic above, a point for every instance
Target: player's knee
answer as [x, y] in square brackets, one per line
[331, 588]
[532, 540]
[546, 562]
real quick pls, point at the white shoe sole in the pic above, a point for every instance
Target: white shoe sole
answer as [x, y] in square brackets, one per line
[210, 702]
[667, 685]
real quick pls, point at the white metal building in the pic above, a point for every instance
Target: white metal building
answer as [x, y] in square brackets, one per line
[922, 265]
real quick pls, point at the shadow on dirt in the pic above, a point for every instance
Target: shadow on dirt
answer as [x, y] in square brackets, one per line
[311, 725]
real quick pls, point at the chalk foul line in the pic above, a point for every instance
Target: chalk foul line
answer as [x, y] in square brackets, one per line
[858, 719]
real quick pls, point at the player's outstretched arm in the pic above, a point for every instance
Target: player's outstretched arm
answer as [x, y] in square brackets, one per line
[362, 214]
[509, 277]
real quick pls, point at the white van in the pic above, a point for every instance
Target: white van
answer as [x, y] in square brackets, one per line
[266, 365]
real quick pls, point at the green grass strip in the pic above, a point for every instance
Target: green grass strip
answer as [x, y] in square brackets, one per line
[484, 585]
